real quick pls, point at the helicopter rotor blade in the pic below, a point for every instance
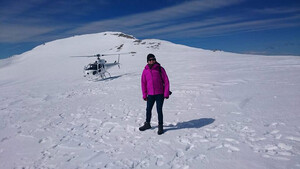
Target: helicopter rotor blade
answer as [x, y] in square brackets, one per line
[85, 56]
[99, 55]
[118, 54]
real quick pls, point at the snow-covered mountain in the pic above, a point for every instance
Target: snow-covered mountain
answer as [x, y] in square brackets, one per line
[227, 110]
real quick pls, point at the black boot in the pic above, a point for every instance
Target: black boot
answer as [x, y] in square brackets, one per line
[160, 129]
[145, 126]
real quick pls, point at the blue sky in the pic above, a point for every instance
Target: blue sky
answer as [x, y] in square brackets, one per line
[242, 26]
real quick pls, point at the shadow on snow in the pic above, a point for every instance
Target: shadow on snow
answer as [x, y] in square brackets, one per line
[190, 124]
[108, 78]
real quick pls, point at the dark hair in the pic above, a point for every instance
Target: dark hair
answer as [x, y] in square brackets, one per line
[149, 56]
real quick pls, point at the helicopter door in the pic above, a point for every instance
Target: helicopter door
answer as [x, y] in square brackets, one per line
[100, 68]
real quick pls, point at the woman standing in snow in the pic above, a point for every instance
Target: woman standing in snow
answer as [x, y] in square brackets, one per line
[155, 88]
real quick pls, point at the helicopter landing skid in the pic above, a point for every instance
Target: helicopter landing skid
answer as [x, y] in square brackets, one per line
[97, 77]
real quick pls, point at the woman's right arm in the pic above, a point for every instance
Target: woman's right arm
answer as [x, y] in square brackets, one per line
[144, 85]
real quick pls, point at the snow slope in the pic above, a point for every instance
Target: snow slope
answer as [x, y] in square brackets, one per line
[227, 110]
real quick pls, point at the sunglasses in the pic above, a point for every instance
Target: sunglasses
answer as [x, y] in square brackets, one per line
[152, 59]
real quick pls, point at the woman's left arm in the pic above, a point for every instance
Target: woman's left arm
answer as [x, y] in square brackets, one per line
[166, 82]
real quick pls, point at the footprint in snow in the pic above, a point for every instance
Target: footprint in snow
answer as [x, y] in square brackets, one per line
[280, 151]
[160, 160]
[293, 138]
[231, 148]
[236, 113]
[232, 140]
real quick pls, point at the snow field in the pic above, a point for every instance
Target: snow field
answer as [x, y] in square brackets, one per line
[226, 110]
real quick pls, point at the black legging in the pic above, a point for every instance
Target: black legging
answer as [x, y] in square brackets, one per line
[151, 99]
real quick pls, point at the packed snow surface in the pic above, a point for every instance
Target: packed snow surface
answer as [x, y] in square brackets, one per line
[227, 110]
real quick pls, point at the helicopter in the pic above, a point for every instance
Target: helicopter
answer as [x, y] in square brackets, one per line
[98, 69]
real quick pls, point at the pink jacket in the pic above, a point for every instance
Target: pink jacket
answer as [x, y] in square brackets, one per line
[155, 81]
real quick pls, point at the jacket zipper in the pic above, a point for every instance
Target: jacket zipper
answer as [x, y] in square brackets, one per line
[152, 82]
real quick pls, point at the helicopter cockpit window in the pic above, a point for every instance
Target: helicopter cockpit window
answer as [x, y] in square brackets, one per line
[91, 67]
